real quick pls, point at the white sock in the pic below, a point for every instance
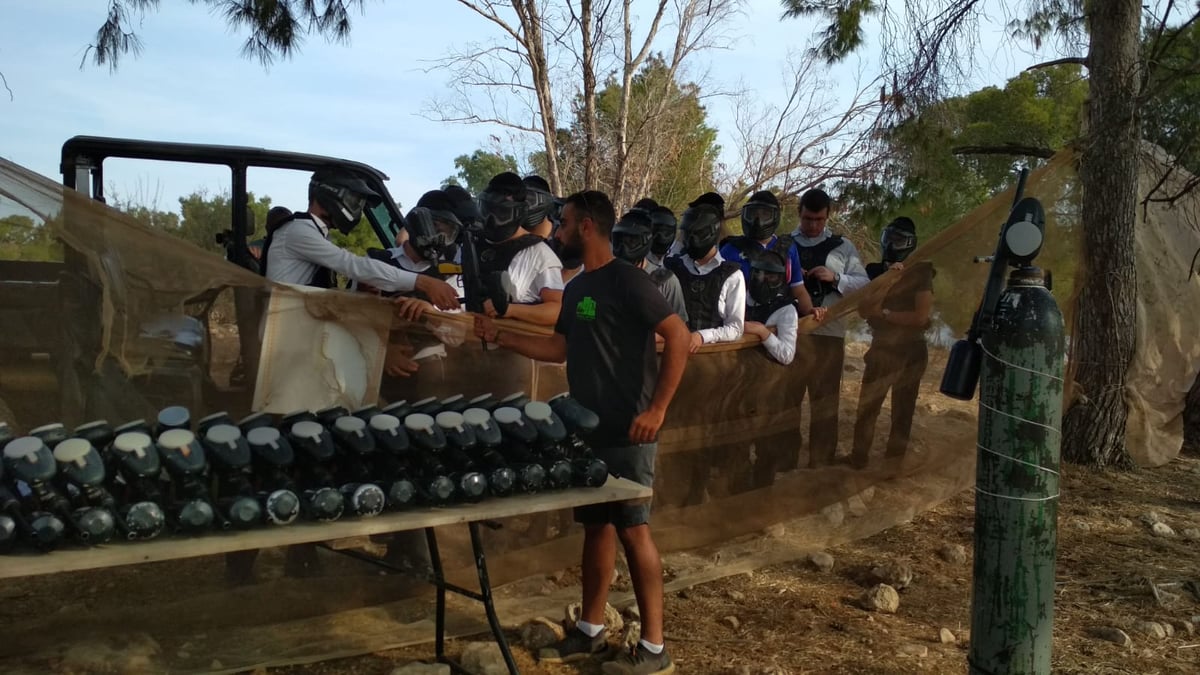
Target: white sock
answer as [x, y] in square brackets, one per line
[589, 629]
[653, 649]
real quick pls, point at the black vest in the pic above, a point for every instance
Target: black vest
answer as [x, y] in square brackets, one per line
[812, 257]
[761, 313]
[494, 258]
[702, 293]
[660, 276]
[322, 277]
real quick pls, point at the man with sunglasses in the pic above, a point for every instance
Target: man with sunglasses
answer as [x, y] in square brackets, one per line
[511, 256]
[760, 220]
[298, 250]
[898, 355]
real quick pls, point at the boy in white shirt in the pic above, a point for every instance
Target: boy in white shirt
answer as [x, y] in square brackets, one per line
[714, 291]
[770, 305]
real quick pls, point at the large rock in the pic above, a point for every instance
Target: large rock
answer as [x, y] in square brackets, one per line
[955, 554]
[127, 653]
[1162, 530]
[612, 618]
[631, 635]
[1152, 629]
[881, 598]
[894, 573]
[484, 658]
[1113, 635]
[541, 632]
[821, 560]
[418, 668]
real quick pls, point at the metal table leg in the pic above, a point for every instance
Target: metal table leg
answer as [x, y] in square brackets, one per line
[485, 589]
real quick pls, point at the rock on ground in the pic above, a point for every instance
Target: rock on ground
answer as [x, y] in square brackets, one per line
[1191, 534]
[483, 658]
[737, 596]
[1152, 629]
[881, 598]
[821, 560]
[894, 573]
[919, 651]
[955, 554]
[129, 653]
[541, 632]
[1114, 635]
[1162, 530]
[946, 636]
[612, 618]
[418, 668]
[732, 621]
[631, 635]
[1124, 522]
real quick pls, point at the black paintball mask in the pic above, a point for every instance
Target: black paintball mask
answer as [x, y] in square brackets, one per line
[343, 196]
[898, 240]
[503, 207]
[760, 216]
[663, 227]
[701, 229]
[768, 277]
[632, 237]
[434, 234]
[539, 204]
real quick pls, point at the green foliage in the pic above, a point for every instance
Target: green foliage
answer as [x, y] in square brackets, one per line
[358, 241]
[1171, 116]
[925, 180]
[844, 32]
[23, 238]
[477, 168]
[203, 217]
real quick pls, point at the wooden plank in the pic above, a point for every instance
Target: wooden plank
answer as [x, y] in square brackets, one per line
[174, 548]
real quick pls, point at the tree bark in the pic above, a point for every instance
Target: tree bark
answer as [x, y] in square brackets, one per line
[531, 24]
[589, 95]
[1104, 335]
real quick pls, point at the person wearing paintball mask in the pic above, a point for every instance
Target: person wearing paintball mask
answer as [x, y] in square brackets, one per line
[542, 203]
[432, 232]
[298, 250]
[898, 355]
[714, 291]
[631, 240]
[665, 229]
[760, 220]
[527, 268]
[771, 305]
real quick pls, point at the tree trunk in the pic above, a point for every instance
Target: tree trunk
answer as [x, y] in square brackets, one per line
[1104, 335]
[589, 96]
[531, 23]
[619, 198]
[1191, 420]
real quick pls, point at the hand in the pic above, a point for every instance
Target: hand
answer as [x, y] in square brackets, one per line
[822, 273]
[757, 329]
[397, 364]
[490, 309]
[819, 313]
[646, 425]
[485, 329]
[411, 309]
[898, 266]
[440, 293]
[697, 341]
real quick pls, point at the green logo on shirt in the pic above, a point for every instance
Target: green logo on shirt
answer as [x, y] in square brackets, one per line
[586, 309]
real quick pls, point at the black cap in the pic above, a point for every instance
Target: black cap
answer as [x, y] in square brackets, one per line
[904, 224]
[436, 200]
[710, 198]
[508, 184]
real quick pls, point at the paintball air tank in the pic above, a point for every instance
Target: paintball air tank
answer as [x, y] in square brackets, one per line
[390, 465]
[231, 459]
[550, 434]
[134, 471]
[460, 441]
[428, 442]
[519, 436]
[184, 459]
[272, 459]
[488, 439]
[314, 457]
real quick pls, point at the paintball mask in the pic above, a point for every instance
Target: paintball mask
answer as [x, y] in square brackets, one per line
[501, 214]
[539, 206]
[702, 228]
[898, 240]
[768, 277]
[632, 236]
[343, 196]
[760, 216]
[663, 227]
[434, 234]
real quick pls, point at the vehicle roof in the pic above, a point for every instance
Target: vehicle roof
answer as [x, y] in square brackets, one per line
[100, 147]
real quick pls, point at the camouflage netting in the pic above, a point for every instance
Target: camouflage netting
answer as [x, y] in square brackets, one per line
[108, 338]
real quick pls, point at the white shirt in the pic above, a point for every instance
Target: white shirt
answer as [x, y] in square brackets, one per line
[407, 263]
[782, 344]
[300, 247]
[731, 304]
[530, 272]
[844, 261]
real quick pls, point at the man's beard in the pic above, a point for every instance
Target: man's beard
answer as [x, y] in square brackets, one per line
[571, 249]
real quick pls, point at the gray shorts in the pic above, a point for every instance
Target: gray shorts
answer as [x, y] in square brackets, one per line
[635, 462]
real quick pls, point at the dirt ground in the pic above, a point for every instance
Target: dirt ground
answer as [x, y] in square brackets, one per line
[792, 618]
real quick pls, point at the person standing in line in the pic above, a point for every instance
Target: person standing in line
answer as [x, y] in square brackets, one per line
[605, 332]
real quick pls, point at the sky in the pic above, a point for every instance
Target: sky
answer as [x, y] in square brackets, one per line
[360, 101]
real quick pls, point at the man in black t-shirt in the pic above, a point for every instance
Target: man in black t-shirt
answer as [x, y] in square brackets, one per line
[605, 332]
[898, 354]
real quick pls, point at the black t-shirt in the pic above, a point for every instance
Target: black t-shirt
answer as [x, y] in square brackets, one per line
[608, 317]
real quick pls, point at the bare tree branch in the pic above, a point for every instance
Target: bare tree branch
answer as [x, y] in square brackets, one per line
[1077, 60]
[4, 80]
[1004, 149]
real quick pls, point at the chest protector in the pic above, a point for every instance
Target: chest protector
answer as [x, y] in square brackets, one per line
[495, 258]
[761, 313]
[702, 292]
[815, 256]
[322, 277]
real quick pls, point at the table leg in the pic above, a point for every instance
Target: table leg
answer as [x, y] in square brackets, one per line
[439, 580]
[485, 590]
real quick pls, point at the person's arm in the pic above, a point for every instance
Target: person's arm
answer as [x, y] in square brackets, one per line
[673, 292]
[549, 348]
[544, 313]
[676, 340]
[732, 306]
[803, 299]
[781, 344]
[854, 275]
[915, 318]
